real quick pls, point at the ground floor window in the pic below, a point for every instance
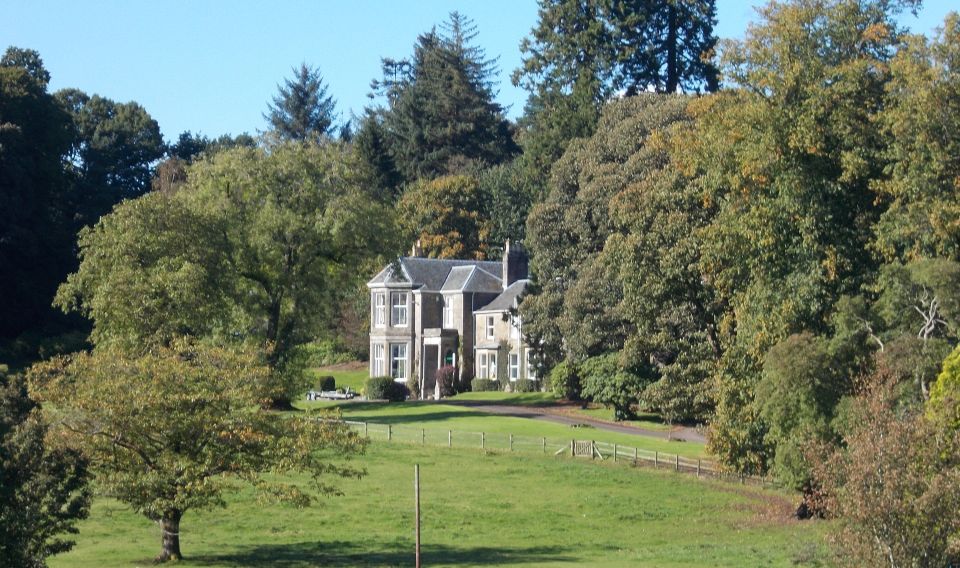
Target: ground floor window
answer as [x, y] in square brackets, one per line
[531, 370]
[514, 366]
[487, 365]
[398, 361]
[378, 360]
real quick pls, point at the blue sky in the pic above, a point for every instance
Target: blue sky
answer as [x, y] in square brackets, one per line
[210, 66]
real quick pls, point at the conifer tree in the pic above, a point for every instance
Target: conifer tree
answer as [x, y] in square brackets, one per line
[302, 109]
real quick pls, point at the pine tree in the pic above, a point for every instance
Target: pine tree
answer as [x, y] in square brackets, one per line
[302, 109]
[441, 116]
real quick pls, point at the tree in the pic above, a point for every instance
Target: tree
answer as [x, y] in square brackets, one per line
[35, 192]
[582, 52]
[259, 247]
[116, 147]
[441, 116]
[603, 380]
[921, 121]
[169, 429]
[302, 110]
[894, 483]
[448, 216]
[43, 487]
[797, 394]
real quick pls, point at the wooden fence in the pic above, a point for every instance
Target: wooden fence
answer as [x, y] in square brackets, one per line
[568, 447]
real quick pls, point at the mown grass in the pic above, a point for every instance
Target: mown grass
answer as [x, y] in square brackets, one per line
[479, 509]
[442, 417]
[345, 375]
[439, 416]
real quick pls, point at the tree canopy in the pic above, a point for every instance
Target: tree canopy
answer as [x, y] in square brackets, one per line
[302, 110]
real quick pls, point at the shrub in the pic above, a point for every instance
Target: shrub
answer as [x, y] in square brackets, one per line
[446, 378]
[325, 353]
[326, 383]
[525, 385]
[384, 388]
[565, 381]
[482, 385]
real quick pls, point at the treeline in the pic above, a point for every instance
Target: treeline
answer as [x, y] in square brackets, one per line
[779, 260]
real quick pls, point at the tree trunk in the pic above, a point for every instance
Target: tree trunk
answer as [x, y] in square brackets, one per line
[673, 66]
[170, 537]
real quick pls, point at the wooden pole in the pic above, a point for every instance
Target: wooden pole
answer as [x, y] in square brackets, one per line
[483, 440]
[365, 430]
[511, 442]
[543, 442]
[416, 494]
[423, 436]
[634, 456]
[614, 453]
[389, 433]
[698, 469]
[678, 462]
[656, 460]
[449, 438]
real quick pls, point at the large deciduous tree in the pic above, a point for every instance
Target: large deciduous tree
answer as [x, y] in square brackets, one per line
[448, 217]
[169, 430]
[43, 486]
[258, 247]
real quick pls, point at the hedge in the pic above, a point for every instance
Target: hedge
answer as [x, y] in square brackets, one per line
[480, 385]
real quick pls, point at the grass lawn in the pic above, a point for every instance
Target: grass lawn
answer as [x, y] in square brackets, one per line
[479, 509]
[437, 418]
[351, 375]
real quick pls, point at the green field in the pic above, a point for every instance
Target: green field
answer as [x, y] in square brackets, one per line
[438, 418]
[479, 509]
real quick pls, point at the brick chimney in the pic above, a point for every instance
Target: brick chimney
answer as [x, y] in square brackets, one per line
[515, 263]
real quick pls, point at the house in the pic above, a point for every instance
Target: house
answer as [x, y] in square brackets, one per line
[426, 313]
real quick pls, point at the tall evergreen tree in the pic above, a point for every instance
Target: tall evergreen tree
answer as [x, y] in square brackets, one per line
[302, 109]
[441, 116]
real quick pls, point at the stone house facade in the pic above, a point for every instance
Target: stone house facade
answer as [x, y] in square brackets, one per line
[426, 313]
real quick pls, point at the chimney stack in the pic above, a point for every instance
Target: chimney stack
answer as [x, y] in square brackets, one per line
[515, 263]
[417, 250]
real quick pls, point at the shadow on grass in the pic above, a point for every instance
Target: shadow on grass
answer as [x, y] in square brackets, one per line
[341, 553]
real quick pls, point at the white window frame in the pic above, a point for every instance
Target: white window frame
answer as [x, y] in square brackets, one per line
[531, 371]
[398, 361]
[514, 328]
[447, 312]
[489, 325]
[487, 365]
[514, 366]
[380, 309]
[399, 309]
[379, 359]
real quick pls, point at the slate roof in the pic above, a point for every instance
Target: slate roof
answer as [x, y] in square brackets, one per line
[443, 274]
[507, 299]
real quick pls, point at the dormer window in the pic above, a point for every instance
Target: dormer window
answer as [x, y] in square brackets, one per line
[398, 312]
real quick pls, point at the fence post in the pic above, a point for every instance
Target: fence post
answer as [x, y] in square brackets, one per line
[656, 460]
[449, 438]
[389, 432]
[614, 453]
[678, 462]
[483, 440]
[571, 448]
[593, 449]
[423, 436]
[634, 456]
[544, 443]
[365, 430]
[698, 469]
[511, 442]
